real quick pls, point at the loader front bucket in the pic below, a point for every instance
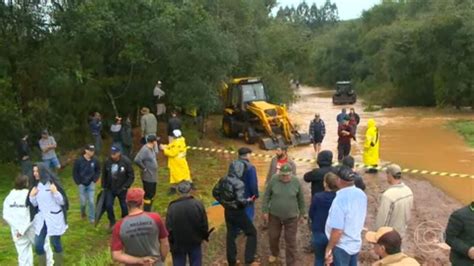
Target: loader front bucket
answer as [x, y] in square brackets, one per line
[271, 144]
[300, 139]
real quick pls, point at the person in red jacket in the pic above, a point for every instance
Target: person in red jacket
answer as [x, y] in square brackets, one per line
[345, 133]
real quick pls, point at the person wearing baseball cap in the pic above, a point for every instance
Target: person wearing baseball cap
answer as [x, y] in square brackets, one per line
[387, 245]
[141, 237]
[86, 172]
[177, 163]
[345, 221]
[283, 207]
[117, 177]
[246, 171]
[395, 203]
[186, 221]
[146, 161]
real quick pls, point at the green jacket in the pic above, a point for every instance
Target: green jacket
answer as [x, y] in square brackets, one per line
[283, 200]
[460, 236]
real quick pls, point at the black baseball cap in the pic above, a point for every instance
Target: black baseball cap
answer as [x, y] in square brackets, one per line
[345, 173]
[244, 150]
[89, 147]
[151, 138]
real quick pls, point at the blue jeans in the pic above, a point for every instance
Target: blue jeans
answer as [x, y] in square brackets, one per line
[320, 242]
[194, 255]
[52, 163]
[86, 196]
[342, 258]
[40, 239]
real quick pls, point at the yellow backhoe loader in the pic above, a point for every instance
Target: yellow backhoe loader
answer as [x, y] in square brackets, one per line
[247, 113]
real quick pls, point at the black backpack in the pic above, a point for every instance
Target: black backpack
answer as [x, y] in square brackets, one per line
[224, 193]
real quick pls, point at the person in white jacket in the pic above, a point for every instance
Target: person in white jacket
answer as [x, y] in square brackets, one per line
[17, 215]
[48, 198]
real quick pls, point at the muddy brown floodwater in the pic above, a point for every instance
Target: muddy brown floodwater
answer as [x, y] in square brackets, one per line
[415, 138]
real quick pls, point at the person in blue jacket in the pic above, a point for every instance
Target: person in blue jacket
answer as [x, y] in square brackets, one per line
[86, 173]
[248, 174]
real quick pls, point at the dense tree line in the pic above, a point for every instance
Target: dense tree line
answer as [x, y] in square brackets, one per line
[417, 52]
[62, 60]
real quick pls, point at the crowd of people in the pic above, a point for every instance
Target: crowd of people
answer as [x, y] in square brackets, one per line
[36, 209]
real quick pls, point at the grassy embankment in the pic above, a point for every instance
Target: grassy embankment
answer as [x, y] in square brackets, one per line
[86, 245]
[466, 129]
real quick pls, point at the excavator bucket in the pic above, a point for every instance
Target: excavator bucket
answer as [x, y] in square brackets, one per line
[300, 139]
[271, 144]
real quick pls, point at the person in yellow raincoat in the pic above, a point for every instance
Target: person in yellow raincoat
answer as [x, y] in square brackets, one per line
[177, 164]
[371, 146]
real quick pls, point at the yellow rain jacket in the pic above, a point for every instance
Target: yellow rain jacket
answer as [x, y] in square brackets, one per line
[372, 144]
[176, 153]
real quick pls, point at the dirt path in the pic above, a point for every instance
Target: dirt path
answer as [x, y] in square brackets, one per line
[425, 229]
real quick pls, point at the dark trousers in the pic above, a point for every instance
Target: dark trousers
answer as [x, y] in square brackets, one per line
[194, 255]
[26, 166]
[275, 227]
[150, 190]
[127, 150]
[41, 238]
[343, 149]
[109, 204]
[239, 219]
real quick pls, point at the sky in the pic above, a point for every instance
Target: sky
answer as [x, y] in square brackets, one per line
[348, 9]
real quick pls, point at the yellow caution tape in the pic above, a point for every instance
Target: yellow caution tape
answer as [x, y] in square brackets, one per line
[359, 165]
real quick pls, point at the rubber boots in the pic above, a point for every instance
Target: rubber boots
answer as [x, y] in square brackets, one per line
[58, 259]
[42, 260]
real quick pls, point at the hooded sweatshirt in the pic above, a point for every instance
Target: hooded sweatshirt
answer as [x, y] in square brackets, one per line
[316, 176]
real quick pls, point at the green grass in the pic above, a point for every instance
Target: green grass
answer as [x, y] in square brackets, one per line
[85, 245]
[466, 129]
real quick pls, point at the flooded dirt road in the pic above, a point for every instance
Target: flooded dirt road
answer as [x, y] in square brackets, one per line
[415, 138]
[412, 137]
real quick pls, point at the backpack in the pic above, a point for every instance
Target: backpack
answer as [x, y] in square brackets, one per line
[225, 192]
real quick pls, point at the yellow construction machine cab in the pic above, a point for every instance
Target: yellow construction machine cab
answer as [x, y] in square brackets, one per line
[247, 112]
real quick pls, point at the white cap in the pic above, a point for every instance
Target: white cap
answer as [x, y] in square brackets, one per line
[177, 133]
